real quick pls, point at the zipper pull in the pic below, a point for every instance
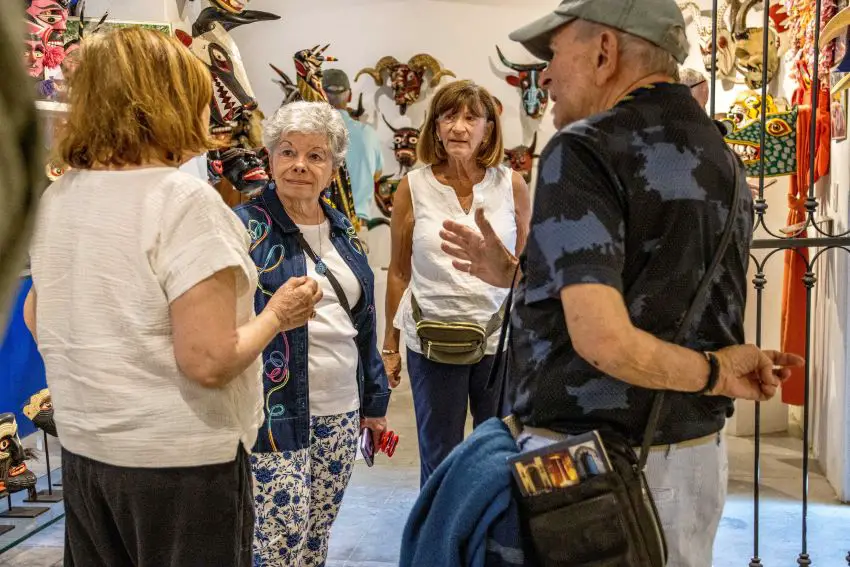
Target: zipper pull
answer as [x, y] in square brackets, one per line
[429, 350]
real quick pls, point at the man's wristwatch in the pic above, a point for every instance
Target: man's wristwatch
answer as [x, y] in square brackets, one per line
[713, 373]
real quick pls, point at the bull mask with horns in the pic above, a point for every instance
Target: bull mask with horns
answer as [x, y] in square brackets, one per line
[521, 158]
[404, 146]
[534, 97]
[406, 79]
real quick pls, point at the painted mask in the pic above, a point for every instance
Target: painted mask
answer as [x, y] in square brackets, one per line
[527, 79]
[14, 475]
[243, 168]
[749, 46]
[308, 73]
[521, 158]
[34, 56]
[747, 107]
[725, 42]
[232, 6]
[404, 145]
[780, 151]
[39, 409]
[385, 189]
[406, 79]
[48, 19]
[212, 44]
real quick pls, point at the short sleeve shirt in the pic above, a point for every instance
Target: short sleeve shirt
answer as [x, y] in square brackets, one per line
[635, 198]
[111, 251]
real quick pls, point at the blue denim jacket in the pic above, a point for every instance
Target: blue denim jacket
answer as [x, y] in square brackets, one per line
[278, 256]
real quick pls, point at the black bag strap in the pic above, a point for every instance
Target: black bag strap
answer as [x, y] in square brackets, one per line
[684, 327]
[500, 361]
[340, 293]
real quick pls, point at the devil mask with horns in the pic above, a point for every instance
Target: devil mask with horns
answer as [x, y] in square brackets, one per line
[406, 78]
[233, 98]
[534, 97]
[521, 158]
[46, 22]
[14, 475]
[404, 145]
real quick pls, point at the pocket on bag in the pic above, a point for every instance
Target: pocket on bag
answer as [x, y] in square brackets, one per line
[581, 526]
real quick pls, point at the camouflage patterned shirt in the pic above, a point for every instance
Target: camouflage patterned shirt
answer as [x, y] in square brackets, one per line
[635, 198]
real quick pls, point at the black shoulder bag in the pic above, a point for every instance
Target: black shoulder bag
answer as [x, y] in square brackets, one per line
[608, 520]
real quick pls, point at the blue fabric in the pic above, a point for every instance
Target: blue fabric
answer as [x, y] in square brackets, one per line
[22, 370]
[441, 394]
[466, 514]
[279, 257]
[364, 160]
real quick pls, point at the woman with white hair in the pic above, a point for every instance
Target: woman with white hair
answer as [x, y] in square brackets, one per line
[323, 382]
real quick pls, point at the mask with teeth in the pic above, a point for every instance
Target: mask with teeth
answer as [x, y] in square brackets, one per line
[46, 22]
[780, 149]
[243, 168]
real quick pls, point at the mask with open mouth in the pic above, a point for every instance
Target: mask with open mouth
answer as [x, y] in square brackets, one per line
[405, 141]
[14, 474]
[233, 98]
[39, 409]
[243, 168]
[780, 144]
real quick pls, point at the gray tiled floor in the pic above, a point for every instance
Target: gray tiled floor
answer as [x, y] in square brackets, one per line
[367, 533]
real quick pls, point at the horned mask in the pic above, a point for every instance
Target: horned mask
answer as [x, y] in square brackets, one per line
[406, 79]
[521, 158]
[14, 475]
[534, 97]
[308, 70]
[385, 189]
[404, 145]
[39, 409]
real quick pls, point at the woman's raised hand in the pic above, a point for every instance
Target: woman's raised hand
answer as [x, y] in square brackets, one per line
[294, 302]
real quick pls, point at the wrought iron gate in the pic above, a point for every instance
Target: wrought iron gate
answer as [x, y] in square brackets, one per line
[776, 245]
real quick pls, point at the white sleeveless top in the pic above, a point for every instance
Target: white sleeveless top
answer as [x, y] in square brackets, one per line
[443, 292]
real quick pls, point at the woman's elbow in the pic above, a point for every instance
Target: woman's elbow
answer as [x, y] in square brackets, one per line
[205, 369]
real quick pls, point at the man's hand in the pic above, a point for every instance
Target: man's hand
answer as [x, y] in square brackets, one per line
[480, 255]
[392, 365]
[748, 373]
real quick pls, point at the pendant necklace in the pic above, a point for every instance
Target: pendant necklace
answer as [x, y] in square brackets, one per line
[321, 268]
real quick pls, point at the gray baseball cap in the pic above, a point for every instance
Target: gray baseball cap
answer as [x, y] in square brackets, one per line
[335, 81]
[657, 21]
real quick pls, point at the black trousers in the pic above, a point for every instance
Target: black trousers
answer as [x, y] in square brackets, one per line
[169, 517]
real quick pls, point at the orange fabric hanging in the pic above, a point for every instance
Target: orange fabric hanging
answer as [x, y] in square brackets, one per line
[793, 332]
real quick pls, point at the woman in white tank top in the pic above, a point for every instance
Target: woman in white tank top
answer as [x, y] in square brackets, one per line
[461, 145]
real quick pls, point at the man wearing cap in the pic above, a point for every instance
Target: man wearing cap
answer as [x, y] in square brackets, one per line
[632, 198]
[698, 84]
[364, 158]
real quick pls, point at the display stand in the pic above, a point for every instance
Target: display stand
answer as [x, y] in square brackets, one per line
[4, 528]
[49, 495]
[22, 511]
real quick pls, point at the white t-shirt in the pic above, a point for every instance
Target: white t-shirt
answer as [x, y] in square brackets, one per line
[112, 250]
[331, 352]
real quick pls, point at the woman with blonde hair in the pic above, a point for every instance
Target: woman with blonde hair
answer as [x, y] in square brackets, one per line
[142, 307]
[449, 319]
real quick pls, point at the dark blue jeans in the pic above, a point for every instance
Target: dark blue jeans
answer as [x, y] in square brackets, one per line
[441, 393]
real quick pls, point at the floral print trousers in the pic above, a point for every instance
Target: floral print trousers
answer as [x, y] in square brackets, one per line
[297, 494]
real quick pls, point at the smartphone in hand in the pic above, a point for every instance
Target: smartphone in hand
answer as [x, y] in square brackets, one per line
[366, 447]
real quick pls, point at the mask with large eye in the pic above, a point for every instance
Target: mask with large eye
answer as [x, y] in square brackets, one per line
[405, 141]
[521, 158]
[527, 79]
[14, 475]
[780, 144]
[406, 79]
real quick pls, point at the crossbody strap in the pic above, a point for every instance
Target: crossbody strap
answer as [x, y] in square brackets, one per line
[684, 327]
[340, 293]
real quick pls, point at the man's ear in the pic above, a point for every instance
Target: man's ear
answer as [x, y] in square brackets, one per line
[608, 55]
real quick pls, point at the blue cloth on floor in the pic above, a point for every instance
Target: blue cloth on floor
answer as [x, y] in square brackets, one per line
[466, 514]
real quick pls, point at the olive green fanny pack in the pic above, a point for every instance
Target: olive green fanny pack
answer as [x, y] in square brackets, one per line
[453, 342]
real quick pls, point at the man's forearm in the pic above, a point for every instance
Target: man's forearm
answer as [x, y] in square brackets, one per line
[642, 359]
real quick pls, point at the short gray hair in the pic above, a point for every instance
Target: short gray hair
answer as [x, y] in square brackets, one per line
[308, 118]
[635, 50]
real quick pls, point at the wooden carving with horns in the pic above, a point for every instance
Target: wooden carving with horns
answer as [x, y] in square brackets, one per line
[406, 79]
